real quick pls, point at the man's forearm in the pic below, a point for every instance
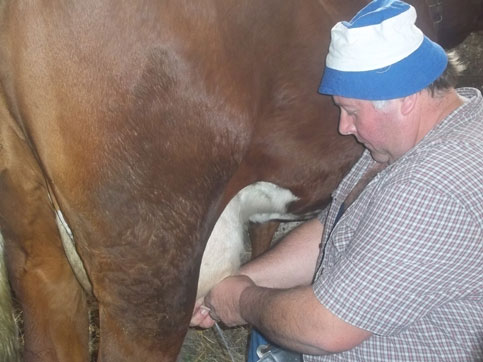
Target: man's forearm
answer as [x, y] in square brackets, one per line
[282, 317]
[291, 262]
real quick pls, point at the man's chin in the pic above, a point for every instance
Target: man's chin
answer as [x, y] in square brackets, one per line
[379, 157]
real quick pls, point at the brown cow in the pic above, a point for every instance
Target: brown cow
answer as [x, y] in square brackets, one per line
[139, 121]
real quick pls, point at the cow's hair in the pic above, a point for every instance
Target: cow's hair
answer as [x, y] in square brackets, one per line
[449, 78]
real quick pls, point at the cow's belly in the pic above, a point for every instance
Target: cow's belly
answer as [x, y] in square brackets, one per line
[259, 202]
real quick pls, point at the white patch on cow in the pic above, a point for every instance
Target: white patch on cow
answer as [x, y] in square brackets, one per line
[71, 252]
[258, 202]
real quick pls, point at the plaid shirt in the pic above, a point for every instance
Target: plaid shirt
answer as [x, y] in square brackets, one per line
[405, 261]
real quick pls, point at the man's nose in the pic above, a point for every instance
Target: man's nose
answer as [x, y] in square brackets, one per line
[346, 125]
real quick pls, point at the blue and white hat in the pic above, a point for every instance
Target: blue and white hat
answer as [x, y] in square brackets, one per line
[381, 54]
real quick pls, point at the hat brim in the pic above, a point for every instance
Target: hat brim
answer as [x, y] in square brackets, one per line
[406, 77]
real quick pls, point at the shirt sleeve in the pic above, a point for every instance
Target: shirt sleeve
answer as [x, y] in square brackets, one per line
[414, 249]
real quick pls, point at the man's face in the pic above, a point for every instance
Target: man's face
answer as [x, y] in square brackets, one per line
[382, 131]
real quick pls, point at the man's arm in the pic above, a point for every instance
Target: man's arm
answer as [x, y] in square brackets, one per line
[295, 319]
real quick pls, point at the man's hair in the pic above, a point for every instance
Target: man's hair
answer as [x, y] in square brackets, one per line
[380, 104]
[446, 81]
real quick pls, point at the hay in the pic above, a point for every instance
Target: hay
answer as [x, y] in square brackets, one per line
[206, 345]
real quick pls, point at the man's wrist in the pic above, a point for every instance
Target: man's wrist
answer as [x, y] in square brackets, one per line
[251, 304]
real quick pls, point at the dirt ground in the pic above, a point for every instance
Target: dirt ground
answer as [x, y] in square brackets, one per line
[206, 346]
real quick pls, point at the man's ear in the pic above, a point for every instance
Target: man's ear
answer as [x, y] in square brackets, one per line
[408, 103]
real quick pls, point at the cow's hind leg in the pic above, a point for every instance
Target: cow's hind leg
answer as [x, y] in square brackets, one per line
[54, 306]
[144, 303]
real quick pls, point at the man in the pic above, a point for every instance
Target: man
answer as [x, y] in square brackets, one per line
[400, 273]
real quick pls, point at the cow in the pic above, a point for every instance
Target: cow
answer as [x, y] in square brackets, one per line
[128, 126]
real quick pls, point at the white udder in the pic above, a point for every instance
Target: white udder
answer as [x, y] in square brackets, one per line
[258, 202]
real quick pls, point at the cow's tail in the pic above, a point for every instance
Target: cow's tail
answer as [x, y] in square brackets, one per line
[9, 346]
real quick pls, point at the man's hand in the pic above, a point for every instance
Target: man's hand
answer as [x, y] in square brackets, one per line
[223, 300]
[201, 315]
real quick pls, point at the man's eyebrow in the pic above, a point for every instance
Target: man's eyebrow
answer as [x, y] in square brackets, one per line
[346, 107]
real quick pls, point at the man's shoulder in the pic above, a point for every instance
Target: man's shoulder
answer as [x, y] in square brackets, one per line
[451, 166]
[452, 151]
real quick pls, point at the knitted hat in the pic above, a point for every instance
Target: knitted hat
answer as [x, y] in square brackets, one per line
[381, 54]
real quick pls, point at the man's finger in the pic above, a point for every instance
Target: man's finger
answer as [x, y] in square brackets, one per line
[199, 315]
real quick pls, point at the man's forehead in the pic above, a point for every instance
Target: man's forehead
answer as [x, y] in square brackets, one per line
[349, 102]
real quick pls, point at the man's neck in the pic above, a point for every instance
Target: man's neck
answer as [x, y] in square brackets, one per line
[362, 183]
[438, 107]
